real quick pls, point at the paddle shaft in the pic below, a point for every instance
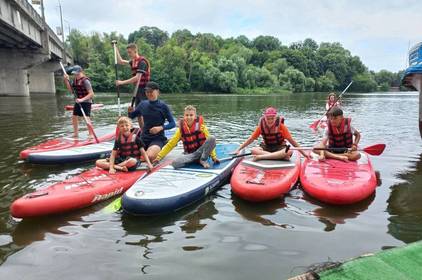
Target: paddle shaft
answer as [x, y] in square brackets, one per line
[236, 156]
[90, 127]
[114, 42]
[337, 99]
[135, 92]
[374, 150]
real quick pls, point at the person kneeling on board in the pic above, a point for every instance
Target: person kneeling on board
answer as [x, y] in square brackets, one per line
[198, 144]
[274, 133]
[339, 137]
[127, 150]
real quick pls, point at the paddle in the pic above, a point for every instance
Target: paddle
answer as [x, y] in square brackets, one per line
[114, 42]
[315, 124]
[235, 156]
[374, 150]
[88, 123]
[136, 90]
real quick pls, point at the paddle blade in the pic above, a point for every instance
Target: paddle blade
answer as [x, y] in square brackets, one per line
[114, 206]
[314, 125]
[375, 150]
[91, 128]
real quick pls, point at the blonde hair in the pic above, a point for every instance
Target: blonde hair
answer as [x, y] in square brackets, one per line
[190, 108]
[124, 120]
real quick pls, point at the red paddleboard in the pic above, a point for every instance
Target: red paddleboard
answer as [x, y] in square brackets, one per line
[106, 134]
[95, 106]
[88, 188]
[265, 179]
[338, 182]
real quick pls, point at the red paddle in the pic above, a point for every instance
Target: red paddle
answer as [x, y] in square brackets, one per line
[315, 124]
[374, 150]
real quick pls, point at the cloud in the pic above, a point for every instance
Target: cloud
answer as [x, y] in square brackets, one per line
[377, 31]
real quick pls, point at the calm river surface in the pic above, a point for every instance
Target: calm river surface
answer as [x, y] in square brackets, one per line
[221, 237]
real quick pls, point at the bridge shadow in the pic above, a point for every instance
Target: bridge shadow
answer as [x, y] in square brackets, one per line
[405, 205]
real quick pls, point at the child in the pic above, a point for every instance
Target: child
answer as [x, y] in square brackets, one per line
[197, 142]
[140, 68]
[274, 133]
[339, 134]
[127, 150]
[154, 112]
[81, 86]
[331, 101]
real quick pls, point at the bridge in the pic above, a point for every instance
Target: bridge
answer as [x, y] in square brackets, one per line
[29, 50]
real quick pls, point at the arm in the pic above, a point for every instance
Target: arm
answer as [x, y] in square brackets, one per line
[67, 83]
[90, 94]
[251, 138]
[132, 80]
[169, 146]
[170, 119]
[357, 139]
[137, 112]
[295, 144]
[119, 58]
[204, 130]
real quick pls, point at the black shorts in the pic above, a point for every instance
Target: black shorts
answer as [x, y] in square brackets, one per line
[140, 96]
[77, 109]
[122, 159]
[159, 142]
[337, 151]
[272, 148]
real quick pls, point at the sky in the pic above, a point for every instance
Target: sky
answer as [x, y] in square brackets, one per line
[379, 32]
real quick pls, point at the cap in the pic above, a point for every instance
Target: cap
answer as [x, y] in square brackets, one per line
[270, 111]
[75, 69]
[152, 86]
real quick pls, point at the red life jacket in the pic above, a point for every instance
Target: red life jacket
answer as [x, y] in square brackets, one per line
[79, 87]
[128, 146]
[134, 67]
[340, 137]
[272, 135]
[192, 137]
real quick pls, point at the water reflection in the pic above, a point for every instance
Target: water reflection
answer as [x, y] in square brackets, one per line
[331, 215]
[405, 206]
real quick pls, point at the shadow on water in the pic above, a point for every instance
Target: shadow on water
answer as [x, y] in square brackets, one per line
[405, 206]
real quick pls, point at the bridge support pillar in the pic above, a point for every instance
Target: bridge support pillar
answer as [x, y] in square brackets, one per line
[14, 82]
[41, 77]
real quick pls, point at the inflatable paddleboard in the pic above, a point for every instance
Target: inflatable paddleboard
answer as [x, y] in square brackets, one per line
[168, 189]
[338, 182]
[103, 134]
[265, 179]
[88, 188]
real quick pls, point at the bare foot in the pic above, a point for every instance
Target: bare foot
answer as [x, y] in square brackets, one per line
[204, 164]
[124, 169]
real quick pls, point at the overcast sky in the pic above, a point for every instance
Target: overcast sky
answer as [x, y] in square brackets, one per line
[377, 31]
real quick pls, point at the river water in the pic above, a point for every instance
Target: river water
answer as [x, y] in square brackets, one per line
[220, 237]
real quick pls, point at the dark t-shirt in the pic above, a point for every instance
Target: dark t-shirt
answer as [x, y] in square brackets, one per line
[154, 113]
[142, 66]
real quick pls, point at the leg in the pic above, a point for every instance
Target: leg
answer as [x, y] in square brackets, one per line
[153, 151]
[342, 157]
[353, 155]
[103, 163]
[75, 123]
[207, 148]
[276, 155]
[183, 160]
[91, 136]
[258, 151]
